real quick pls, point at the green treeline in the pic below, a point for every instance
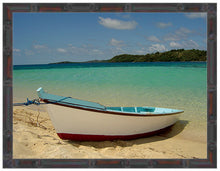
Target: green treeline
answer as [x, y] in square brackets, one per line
[168, 56]
[172, 55]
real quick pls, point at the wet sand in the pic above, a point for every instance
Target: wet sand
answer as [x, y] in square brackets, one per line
[35, 137]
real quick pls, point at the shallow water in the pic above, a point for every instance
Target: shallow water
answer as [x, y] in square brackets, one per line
[178, 85]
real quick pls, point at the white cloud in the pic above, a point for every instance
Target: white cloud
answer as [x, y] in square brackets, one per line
[170, 37]
[153, 39]
[175, 45]
[116, 51]
[117, 24]
[83, 49]
[196, 15]
[190, 44]
[39, 46]
[140, 51]
[97, 51]
[157, 47]
[16, 50]
[182, 31]
[179, 34]
[116, 46]
[186, 44]
[163, 25]
[28, 52]
[61, 50]
[116, 43]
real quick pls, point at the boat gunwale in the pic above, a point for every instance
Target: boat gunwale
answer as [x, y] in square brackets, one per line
[109, 112]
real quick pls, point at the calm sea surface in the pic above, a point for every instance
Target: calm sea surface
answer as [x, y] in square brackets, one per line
[178, 85]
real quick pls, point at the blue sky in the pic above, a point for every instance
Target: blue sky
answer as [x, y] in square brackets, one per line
[40, 38]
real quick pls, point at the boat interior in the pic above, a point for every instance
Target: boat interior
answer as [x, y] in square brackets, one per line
[132, 109]
[142, 110]
[54, 99]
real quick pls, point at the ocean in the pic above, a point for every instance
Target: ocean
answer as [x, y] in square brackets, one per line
[177, 85]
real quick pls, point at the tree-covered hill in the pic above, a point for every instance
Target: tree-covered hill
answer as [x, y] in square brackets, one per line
[168, 56]
[172, 55]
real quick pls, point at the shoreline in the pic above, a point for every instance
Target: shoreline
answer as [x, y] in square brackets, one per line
[35, 137]
[61, 63]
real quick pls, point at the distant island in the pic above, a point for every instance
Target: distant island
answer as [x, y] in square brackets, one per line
[168, 56]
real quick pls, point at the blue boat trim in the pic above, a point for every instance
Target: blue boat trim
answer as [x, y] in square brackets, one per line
[96, 107]
[68, 100]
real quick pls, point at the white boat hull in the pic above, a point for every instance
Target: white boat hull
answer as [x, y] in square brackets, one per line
[81, 124]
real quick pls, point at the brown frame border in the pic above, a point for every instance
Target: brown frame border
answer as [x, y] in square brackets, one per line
[209, 8]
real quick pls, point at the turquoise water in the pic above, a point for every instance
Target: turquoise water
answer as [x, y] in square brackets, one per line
[178, 85]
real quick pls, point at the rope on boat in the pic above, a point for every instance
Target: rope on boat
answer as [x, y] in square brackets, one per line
[29, 102]
[37, 102]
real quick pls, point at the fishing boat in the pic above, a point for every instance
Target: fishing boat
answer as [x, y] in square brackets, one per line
[81, 120]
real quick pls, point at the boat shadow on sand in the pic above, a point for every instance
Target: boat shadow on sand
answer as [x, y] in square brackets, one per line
[164, 134]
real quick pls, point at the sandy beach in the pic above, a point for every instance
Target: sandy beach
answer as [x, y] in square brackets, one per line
[34, 137]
